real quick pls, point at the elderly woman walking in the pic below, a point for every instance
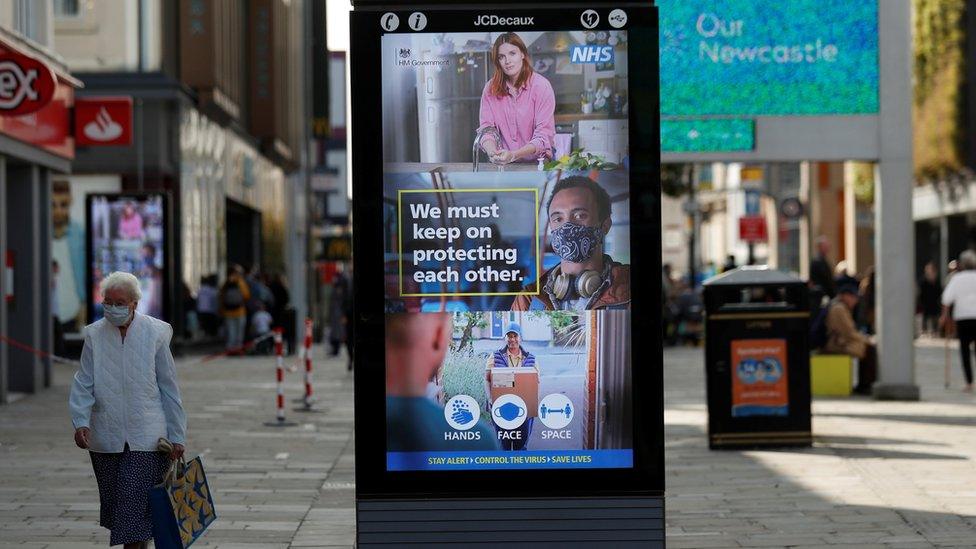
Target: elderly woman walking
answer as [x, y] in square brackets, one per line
[125, 397]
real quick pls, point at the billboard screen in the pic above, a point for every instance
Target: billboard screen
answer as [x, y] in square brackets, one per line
[498, 196]
[518, 266]
[768, 57]
[128, 233]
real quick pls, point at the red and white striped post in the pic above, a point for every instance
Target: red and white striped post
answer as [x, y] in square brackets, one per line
[280, 376]
[308, 363]
[280, 368]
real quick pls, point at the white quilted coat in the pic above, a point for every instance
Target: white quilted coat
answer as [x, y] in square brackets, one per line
[127, 392]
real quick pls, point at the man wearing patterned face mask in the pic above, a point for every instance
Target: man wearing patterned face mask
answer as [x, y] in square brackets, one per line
[586, 278]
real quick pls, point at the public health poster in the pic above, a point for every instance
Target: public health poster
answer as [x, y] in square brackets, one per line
[759, 370]
[507, 245]
[128, 233]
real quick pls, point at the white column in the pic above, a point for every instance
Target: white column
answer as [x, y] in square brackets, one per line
[895, 247]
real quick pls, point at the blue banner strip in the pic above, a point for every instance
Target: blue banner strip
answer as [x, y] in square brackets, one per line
[538, 459]
[753, 410]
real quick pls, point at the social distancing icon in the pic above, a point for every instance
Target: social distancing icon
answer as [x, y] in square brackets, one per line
[556, 411]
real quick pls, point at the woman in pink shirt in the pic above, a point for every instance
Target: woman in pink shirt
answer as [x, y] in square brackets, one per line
[130, 224]
[519, 103]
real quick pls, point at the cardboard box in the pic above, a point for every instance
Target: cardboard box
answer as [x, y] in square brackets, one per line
[522, 381]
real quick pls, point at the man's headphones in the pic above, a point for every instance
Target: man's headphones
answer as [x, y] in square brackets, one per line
[583, 285]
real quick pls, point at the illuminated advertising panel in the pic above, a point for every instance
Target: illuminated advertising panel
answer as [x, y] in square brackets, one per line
[505, 162]
[517, 261]
[128, 233]
[768, 57]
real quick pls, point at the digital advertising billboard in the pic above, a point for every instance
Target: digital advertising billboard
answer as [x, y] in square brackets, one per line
[128, 233]
[497, 316]
[768, 57]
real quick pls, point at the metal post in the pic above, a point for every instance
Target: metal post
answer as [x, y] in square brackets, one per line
[307, 399]
[280, 377]
[693, 234]
[893, 203]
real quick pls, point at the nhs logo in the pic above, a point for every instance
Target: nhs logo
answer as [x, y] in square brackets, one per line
[591, 53]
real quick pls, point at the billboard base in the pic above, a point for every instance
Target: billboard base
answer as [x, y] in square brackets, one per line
[543, 522]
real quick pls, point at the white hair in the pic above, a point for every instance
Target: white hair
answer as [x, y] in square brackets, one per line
[967, 259]
[123, 281]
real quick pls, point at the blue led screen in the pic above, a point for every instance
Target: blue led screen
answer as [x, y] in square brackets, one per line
[769, 57]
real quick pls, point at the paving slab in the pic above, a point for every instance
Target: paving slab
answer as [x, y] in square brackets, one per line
[880, 474]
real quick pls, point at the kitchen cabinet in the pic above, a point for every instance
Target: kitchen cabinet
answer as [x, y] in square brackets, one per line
[607, 138]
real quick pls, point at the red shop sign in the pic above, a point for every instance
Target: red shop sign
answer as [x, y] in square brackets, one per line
[26, 84]
[103, 121]
[753, 229]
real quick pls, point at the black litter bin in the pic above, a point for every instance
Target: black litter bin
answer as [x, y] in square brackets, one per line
[757, 359]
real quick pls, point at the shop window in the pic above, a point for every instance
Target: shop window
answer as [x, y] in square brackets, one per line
[67, 9]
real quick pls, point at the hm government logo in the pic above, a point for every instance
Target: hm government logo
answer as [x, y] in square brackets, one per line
[403, 57]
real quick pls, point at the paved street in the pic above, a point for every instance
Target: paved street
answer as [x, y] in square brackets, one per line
[273, 487]
[880, 474]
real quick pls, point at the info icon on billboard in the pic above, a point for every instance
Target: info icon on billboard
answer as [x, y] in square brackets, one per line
[417, 21]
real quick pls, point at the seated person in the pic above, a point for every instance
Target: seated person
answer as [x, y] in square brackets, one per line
[843, 338]
[586, 278]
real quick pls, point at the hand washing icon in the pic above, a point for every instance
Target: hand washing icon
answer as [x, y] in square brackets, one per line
[509, 411]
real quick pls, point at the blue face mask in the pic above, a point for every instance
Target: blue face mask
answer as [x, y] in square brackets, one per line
[509, 411]
[117, 315]
[575, 243]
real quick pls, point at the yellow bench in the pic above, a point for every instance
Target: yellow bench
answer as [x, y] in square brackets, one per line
[831, 375]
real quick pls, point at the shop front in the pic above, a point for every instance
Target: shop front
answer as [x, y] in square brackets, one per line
[36, 99]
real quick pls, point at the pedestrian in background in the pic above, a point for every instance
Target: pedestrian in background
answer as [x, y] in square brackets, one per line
[124, 399]
[821, 270]
[730, 264]
[261, 326]
[959, 309]
[207, 305]
[337, 312]
[234, 295]
[867, 304]
[929, 299]
[843, 337]
[279, 312]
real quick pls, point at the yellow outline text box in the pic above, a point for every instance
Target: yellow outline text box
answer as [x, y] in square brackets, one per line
[535, 239]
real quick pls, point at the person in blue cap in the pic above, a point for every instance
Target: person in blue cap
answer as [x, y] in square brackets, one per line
[512, 355]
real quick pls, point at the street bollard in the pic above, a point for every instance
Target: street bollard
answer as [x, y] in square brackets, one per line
[280, 376]
[307, 400]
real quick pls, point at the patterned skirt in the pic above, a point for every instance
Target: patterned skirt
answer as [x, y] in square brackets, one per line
[124, 480]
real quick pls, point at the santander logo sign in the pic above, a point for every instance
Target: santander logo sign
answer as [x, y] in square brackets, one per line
[26, 84]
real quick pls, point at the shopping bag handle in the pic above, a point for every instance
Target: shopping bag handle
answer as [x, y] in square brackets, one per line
[177, 467]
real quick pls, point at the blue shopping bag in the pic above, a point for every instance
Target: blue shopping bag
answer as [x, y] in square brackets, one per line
[182, 506]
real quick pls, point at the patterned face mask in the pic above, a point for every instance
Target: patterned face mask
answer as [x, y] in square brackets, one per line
[575, 243]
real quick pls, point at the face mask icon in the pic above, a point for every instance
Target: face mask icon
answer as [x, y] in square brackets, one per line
[509, 411]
